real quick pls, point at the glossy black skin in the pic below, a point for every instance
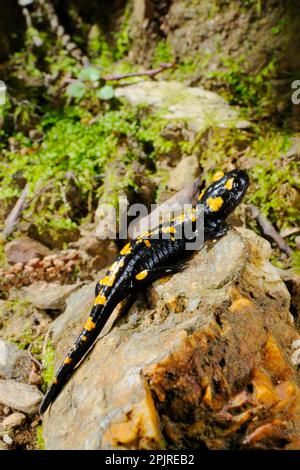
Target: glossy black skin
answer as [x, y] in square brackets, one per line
[158, 257]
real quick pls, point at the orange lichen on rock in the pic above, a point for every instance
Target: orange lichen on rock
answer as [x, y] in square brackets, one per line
[140, 430]
[262, 432]
[207, 397]
[240, 305]
[264, 391]
[176, 304]
[274, 359]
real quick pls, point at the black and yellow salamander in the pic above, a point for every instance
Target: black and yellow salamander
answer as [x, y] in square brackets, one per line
[148, 258]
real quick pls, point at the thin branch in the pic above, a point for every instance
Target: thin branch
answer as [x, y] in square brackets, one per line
[13, 217]
[146, 73]
[46, 339]
[33, 358]
[269, 230]
[38, 193]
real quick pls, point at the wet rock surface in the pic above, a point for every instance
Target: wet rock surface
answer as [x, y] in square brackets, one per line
[205, 361]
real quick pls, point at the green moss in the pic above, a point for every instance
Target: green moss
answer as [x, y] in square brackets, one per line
[19, 307]
[39, 442]
[274, 180]
[162, 54]
[122, 37]
[71, 144]
[48, 365]
[296, 261]
[244, 88]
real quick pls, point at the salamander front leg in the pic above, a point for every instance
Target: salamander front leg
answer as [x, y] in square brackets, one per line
[215, 229]
[173, 269]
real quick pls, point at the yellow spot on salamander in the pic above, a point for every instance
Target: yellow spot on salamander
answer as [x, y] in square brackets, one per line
[89, 324]
[83, 338]
[229, 183]
[147, 243]
[100, 300]
[201, 195]
[108, 280]
[116, 266]
[68, 360]
[214, 203]
[126, 249]
[55, 381]
[168, 230]
[140, 276]
[193, 218]
[217, 176]
[172, 238]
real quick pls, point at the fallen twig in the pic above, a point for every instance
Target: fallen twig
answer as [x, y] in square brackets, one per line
[46, 339]
[38, 193]
[269, 230]
[13, 217]
[33, 358]
[147, 73]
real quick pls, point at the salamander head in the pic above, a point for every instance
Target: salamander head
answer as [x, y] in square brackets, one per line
[224, 194]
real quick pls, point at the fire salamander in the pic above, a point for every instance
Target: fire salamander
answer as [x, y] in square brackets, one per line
[148, 258]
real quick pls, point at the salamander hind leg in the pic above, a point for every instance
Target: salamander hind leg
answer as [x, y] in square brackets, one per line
[156, 272]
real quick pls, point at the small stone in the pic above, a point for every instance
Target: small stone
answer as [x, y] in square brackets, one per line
[7, 440]
[14, 420]
[6, 410]
[24, 249]
[14, 363]
[49, 296]
[19, 396]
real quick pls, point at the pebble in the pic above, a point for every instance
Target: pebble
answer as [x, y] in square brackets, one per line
[6, 410]
[49, 296]
[14, 363]
[20, 396]
[14, 420]
[7, 440]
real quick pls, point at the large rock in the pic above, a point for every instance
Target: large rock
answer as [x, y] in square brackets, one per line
[24, 249]
[174, 101]
[19, 396]
[14, 363]
[205, 362]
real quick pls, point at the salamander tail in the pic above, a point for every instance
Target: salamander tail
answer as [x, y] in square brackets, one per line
[81, 346]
